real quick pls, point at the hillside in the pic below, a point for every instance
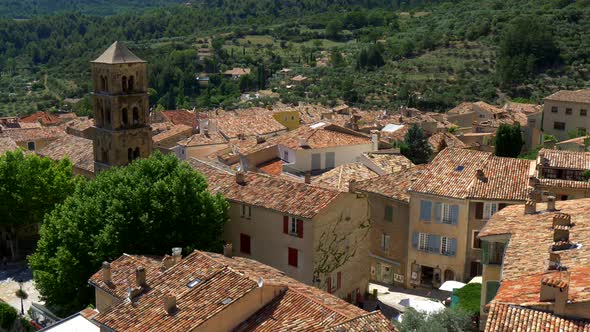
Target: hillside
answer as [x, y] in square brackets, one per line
[429, 54]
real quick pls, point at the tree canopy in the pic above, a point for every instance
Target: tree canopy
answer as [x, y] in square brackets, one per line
[509, 141]
[415, 146]
[448, 320]
[147, 208]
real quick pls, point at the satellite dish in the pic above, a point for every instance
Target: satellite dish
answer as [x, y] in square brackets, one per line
[260, 282]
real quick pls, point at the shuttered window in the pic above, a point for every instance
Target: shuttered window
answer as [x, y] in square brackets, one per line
[245, 244]
[388, 213]
[293, 257]
[491, 290]
[479, 210]
[425, 210]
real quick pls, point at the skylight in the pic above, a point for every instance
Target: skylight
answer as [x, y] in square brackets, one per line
[193, 283]
[459, 168]
[226, 300]
[317, 125]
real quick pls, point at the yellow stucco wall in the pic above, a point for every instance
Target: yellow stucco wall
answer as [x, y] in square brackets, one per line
[289, 119]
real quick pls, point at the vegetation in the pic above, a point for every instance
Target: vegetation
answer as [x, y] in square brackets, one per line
[469, 298]
[146, 208]
[448, 320]
[509, 141]
[7, 315]
[415, 146]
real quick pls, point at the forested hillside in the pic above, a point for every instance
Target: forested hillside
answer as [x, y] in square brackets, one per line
[372, 53]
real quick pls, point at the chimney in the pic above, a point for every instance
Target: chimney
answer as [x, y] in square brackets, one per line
[240, 178]
[244, 164]
[177, 254]
[168, 262]
[530, 207]
[140, 276]
[170, 304]
[554, 261]
[228, 250]
[351, 186]
[480, 175]
[303, 142]
[551, 203]
[106, 272]
[260, 139]
[532, 181]
[375, 136]
[561, 234]
[562, 219]
[308, 177]
[555, 289]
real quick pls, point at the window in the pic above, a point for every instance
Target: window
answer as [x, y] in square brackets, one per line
[293, 226]
[293, 257]
[108, 117]
[31, 146]
[245, 244]
[476, 243]
[388, 213]
[583, 112]
[448, 246]
[559, 125]
[130, 83]
[135, 116]
[105, 156]
[489, 209]
[129, 155]
[330, 160]
[246, 211]
[476, 269]
[568, 111]
[554, 109]
[293, 118]
[423, 241]
[385, 242]
[446, 213]
[334, 282]
[425, 211]
[286, 155]
[124, 83]
[581, 131]
[125, 117]
[491, 290]
[136, 153]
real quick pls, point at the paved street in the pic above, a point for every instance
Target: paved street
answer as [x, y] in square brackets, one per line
[389, 297]
[9, 285]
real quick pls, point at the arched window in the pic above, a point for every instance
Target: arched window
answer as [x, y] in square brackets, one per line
[449, 275]
[108, 117]
[130, 83]
[105, 156]
[103, 83]
[125, 117]
[135, 116]
[124, 83]
[130, 154]
[136, 153]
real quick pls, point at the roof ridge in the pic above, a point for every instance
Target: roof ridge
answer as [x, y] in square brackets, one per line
[369, 313]
[212, 166]
[299, 292]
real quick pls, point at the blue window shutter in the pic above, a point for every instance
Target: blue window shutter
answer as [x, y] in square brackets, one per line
[454, 214]
[437, 212]
[453, 246]
[415, 240]
[434, 243]
[425, 210]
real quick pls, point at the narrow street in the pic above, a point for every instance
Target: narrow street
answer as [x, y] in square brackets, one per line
[9, 277]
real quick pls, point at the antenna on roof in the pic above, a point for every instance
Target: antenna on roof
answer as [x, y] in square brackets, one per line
[260, 282]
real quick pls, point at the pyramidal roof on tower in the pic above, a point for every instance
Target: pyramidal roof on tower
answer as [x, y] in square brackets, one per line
[118, 53]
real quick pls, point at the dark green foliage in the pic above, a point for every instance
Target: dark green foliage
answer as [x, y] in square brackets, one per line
[333, 29]
[509, 141]
[370, 58]
[147, 208]
[415, 146]
[469, 298]
[448, 320]
[7, 315]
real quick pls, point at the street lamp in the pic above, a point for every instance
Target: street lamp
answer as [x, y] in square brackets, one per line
[22, 295]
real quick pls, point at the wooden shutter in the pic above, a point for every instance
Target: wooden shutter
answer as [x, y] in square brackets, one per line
[491, 290]
[299, 228]
[338, 280]
[454, 214]
[425, 210]
[293, 257]
[329, 284]
[453, 250]
[415, 237]
[485, 252]
[438, 213]
[286, 224]
[479, 210]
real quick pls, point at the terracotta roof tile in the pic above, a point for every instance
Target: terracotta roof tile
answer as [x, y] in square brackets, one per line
[394, 185]
[440, 141]
[523, 108]
[203, 139]
[577, 96]
[25, 135]
[565, 159]
[507, 318]
[340, 177]
[79, 150]
[266, 191]
[462, 108]
[237, 71]
[177, 131]
[178, 117]
[233, 124]
[45, 118]
[272, 167]
[488, 107]
[388, 162]
[371, 322]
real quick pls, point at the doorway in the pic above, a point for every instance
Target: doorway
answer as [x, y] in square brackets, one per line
[427, 273]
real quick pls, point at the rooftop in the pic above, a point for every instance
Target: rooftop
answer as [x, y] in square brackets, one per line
[490, 108]
[117, 53]
[45, 118]
[565, 159]
[453, 173]
[442, 140]
[223, 281]
[32, 134]
[203, 139]
[266, 191]
[523, 108]
[577, 96]
[321, 135]
[340, 177]
[232, 124]
[178, 117]
[79, 150]
[179, 131]
[388, 162]
[237, 71]
[507, 318]
[394, 185]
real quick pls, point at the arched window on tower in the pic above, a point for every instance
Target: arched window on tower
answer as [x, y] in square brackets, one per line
[103, 83]
[130, 83]
[135, 116]
[124, 83]
[105, 156]
[136, 153]
[130, 154]
[107, 117]
[125, 117]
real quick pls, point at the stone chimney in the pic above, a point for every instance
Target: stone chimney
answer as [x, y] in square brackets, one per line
[308, 177]
[562, 219]
[480, 175]
[352, 186]
[561, 234]
[240, 178]
[140, 276]
[168, 261]
[170, 303]
[530, 207]
[228, 250]
[107, 276]
[555, 289]
[532, 181]
[260, 139]
[554, 261]
[177, 254]
[551, 203]
[375, 136]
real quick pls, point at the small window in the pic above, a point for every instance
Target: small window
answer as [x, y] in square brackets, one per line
[245, 244]
[293, 226]
[246, 211]
[130, 83]
[108, 117]
[193, 283]
[559, 125]
[476, 243]
[568, 111]
[385, 242]
[292, 118]
[583, 112]
[459, 168]
[293, 257]
[554, 109]
[129, 155]
[125, 117]
[286, 156]
[135, 116]
[124, 84]
[489, 209]
[31, 146]
[388, 213]
[423, 241]
[136, 153]
[425, 210]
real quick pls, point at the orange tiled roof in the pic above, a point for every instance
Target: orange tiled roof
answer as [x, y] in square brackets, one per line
[45, 118]
[180, 131]
[272, 167]
[371, 322]
[507, 318]
[577, 96]
[488, 107]
[33, 134]
[565, 159]
[394, 185]
[442, 140]
[321, 135]
[388, 162]
[531, 237]
[339, 177]
[270, 192]
[79, 150]
[202, 139]
[462, 108]
[178, 117]
[237, 71]
[7, 144]
[233, 124]
[453, 174]
[523, 108]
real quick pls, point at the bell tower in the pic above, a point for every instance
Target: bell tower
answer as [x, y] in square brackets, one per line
[121, 108]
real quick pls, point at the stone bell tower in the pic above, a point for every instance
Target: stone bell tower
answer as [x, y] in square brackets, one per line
[121, 108]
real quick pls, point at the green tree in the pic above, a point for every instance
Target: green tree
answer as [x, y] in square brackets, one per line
[148, 207]
[509, 141]
[336, 59]
[31, 186]
[415, 146]
[469, 298]
[448, 320]
[333, 29]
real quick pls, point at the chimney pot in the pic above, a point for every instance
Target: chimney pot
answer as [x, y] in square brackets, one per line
[551, 203]
[240, 178]
[375, 136]
[177, 254]
[532, 181]
[228, 250]
[106, 272]
[530, 207]
[480, 174]
[140, 276]
[170, 303]
[168, 262]
[308, 177]
[351, 186]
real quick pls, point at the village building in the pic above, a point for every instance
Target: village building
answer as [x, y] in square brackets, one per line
[450, 201]
[236, 72]
[167, 140]
[212, 292]
[536, 266]
[562, 173]
[77, 149]
[81, 127]
[33, 139]
[315, 235]
[566, 112]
